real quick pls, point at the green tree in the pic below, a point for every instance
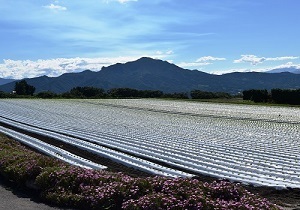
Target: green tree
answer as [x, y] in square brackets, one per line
[256, 95]
[199, 94]
[123, 93]
[3, 94]
[176, 95]
[87, 92]
[46, 94]
[286, 96]
[22, 88]
[150, 93]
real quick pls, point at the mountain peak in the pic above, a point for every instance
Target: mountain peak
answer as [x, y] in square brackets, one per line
[147, 60]
[154, 74]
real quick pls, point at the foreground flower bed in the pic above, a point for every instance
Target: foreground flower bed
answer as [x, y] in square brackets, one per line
[69, 186]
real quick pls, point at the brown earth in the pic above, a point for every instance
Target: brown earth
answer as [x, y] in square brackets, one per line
[13, 197]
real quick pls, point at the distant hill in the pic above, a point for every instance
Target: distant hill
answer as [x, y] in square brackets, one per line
[153, 74]
[281, 70]
[5, 81]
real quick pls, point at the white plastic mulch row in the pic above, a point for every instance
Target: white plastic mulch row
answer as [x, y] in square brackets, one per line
[204, 165]
[102, 151]
[251, 144]
[269, 113]
[51, 150]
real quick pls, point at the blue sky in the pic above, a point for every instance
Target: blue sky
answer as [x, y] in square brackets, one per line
[52, 37]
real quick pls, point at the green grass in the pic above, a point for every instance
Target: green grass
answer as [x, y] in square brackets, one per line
[232, 101]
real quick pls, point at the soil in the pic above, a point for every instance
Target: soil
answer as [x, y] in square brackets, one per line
[20, 198]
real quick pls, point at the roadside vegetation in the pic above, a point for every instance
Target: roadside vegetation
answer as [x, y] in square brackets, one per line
[63, 185]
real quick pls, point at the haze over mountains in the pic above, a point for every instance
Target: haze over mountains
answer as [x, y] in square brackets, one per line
[151, 74]
[5, 81]
[290, 70]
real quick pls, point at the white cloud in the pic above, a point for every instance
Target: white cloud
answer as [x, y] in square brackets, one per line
[254, 60]
[164, 53]
[209, 58]
[230, 71]
[120, 1]
[19, 69]
[55, 7]
[288, 65]
[203, 61]
[125, 1]
[192, 64]
[282, 58]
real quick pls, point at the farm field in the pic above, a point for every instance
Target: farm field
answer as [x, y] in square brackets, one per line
[250, 144]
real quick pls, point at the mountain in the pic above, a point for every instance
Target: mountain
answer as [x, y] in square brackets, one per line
[5, 81]
[152, 74]
[281, 70]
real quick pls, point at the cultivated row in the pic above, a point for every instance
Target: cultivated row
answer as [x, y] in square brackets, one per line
[250, 148]
[51, 150]
[122, 158]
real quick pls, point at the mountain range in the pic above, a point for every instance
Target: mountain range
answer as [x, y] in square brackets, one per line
[281, 70]
[152, 74]
[5, 81]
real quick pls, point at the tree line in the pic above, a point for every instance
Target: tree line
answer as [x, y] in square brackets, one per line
[278, 96]
[22, 89]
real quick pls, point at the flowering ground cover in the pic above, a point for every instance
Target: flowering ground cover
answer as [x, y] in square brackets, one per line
[20, 164]
[65, 185]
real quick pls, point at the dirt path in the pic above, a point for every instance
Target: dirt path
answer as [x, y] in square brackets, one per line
[289, 198]
[14, 198]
